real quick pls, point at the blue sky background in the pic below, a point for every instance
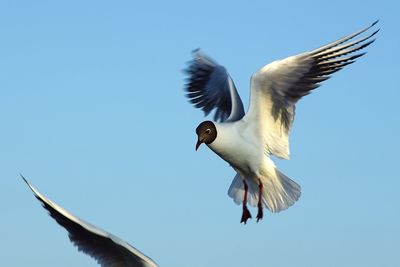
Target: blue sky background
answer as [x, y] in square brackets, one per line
[93, 113]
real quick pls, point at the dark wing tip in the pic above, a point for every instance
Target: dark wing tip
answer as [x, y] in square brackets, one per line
[357, 55]
[29, 184]
[196, 50]
[197, 53]
[374, 23]
[375, 32]
[23, 178]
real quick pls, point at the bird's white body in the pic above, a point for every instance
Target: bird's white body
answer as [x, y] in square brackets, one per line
[236, 146]
[240, 146]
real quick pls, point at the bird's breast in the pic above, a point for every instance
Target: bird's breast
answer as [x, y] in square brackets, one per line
[237, 151]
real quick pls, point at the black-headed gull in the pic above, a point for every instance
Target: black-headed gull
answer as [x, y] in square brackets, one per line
[246, 140]
[107, 249]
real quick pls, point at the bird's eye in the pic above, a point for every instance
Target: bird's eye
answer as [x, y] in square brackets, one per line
[208, 131]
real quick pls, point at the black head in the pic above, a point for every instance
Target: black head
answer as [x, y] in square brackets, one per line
[206, 133]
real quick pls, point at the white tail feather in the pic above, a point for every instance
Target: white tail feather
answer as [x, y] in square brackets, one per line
[279, 191]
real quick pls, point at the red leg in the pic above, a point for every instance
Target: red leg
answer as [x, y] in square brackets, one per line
[260, 205]
[246, 213]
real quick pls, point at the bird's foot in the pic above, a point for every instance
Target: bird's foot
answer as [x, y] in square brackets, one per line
[245, 214]
[260, 213]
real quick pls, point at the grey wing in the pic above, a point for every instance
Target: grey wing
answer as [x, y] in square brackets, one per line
[276, 87]
[107, 249]
[210, 87]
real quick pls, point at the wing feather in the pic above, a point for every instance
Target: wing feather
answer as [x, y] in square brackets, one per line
[209, 87]
[276, 87]
[107, 249]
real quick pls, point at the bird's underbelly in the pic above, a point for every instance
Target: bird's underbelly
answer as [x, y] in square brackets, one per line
[241, 157]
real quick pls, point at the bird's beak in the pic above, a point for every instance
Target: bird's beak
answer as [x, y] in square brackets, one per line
[199, 142]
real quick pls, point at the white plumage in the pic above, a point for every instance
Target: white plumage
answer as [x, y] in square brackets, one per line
[246, 140]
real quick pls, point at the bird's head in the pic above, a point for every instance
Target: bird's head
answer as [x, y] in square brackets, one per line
[206, 133]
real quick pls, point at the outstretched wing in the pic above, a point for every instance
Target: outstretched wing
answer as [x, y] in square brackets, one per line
[107, 249]
[276, 87]
[210, 87]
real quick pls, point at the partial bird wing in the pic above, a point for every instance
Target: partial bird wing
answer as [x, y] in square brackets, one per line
[107, 249]
[276, 87]
[210, 87]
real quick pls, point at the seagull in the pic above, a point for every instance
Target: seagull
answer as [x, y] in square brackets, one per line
[247, 140]
[107, 249]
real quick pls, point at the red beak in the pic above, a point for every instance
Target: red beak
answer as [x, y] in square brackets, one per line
[199, 142]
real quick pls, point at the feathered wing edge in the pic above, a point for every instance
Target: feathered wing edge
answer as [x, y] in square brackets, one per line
[209, 87]
[107, 249]
[276, 87]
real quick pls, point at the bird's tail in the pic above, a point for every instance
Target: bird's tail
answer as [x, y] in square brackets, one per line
[279, 191]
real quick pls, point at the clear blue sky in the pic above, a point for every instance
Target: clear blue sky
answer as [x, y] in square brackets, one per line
[93, 113]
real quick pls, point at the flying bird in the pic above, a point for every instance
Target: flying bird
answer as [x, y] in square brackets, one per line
[247, 140]
[107, 249]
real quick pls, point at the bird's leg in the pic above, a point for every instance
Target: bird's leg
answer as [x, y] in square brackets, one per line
[260, 205]
[246, 213]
